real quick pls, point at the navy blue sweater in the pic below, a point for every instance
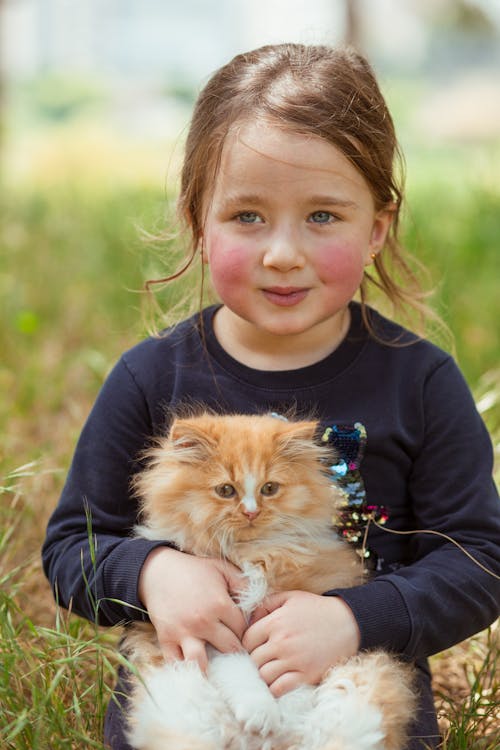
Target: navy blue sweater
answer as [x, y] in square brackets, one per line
[428, 460]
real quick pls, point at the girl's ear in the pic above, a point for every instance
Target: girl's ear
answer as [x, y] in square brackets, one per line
[381, 225]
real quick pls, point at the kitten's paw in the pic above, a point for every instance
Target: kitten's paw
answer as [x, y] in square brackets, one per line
[258, 714]
[237, 679]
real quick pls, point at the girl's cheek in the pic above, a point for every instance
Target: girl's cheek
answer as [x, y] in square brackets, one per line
[334, 263]
[228, 265]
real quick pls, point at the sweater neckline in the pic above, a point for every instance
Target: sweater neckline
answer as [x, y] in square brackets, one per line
[303, 377]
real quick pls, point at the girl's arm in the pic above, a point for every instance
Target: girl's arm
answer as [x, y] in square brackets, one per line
[89, 556]
[106, 575]
[444, 596]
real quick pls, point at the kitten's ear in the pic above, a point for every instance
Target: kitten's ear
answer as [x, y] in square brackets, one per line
[298, 436]
[190, 440]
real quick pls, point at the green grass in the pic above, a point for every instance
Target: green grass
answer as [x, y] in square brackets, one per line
[452, 225]
[474, 722]
[70, 267]
[55, 682]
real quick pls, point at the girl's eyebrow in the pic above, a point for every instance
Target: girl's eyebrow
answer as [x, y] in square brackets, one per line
[332, 200]
[231, 199]
[254, 198]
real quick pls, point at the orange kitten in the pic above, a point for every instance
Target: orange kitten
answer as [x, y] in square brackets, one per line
[253, 490]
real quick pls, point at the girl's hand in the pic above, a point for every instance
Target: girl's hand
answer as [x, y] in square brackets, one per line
[189, 603]
[295, 637]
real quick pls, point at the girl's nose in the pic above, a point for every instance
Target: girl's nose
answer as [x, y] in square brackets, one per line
[284, 251]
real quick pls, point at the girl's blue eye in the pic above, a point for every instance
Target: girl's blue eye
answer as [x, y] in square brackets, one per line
[321, 217]
[249, 217]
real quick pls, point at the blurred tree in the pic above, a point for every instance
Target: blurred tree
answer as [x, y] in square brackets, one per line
[459, 15]
[2, 81]
[462, 35]
[56, 96]
[353, 25]
[470, 16]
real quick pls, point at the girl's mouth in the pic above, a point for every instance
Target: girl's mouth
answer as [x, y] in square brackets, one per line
[285, 296]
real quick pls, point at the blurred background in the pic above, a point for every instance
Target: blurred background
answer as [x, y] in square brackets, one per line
[95, 98]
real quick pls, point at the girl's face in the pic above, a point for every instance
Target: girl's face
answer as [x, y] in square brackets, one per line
[289, 229]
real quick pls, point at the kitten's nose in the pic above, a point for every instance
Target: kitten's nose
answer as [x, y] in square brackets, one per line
[251, 514]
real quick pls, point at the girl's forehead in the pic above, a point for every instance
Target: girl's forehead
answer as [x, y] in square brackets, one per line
[271, 140]
[263, 150]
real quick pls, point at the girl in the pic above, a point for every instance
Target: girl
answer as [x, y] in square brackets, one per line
[290, 195]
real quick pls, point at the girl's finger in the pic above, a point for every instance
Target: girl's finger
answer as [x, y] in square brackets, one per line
[272, 670]
[270, 603]
[256, 635]
[286, 682]
[170, 651]
[263, 654]
[234, 579]
[233, 619]
[258, 613]
[194, 649]
[224, 640]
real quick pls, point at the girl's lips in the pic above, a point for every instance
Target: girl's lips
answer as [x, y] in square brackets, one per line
[285, 296]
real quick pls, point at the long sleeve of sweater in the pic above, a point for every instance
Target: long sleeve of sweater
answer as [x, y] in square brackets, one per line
[89, 555]
[451, 588]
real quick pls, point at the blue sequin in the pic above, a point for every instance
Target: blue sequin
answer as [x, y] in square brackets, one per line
[341, 469]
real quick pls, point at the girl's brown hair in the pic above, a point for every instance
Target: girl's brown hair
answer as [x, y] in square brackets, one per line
[316, 90]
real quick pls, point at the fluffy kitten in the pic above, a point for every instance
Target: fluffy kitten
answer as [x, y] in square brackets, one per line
[251, 489]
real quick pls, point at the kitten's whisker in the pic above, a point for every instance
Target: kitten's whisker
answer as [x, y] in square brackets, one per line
[215, 525]
[223, 537]
[222, 544]
[299, 526]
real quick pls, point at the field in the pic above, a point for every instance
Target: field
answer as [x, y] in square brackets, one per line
[71, 269]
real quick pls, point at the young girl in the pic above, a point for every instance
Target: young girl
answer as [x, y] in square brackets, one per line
[290, 196]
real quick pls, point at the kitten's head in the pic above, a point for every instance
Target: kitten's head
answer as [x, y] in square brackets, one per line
[224, 479]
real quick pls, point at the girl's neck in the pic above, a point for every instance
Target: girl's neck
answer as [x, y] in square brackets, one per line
[264, 351]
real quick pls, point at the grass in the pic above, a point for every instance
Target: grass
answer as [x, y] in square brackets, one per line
[55, 681]
[473, 722]
[71, 264]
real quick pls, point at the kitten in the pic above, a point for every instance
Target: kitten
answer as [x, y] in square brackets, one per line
[252, 490]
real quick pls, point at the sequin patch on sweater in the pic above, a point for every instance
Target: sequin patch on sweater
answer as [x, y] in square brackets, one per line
[351, 521]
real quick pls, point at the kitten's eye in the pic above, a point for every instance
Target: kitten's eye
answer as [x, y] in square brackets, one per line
[225, 490]
[269, 488]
